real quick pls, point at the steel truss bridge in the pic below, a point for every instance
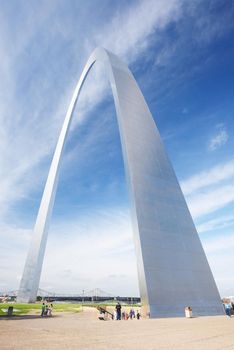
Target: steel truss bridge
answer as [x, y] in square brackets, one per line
[94, 295]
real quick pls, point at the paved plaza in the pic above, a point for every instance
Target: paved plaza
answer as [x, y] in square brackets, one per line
[84, 331]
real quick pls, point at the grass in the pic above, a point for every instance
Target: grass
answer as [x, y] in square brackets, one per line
[23, 309]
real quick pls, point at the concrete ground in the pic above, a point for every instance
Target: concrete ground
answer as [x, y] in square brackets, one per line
[84, 331]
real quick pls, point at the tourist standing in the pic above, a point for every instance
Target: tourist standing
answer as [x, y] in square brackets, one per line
[118, 311]
[42, 309]
[132, 314]
[46, 310]
[138, 315]
[228, 309]
[50, 308]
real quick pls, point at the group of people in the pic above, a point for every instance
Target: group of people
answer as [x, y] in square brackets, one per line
[46, 309]
[228, 308]
[124, 315]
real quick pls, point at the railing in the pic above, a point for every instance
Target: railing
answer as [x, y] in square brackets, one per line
[105, 313]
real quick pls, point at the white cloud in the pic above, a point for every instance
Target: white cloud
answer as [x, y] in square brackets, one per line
[14, 244]
[14, 233]
[222, 222]
[218, 140]
[94, 251]
[209, 177]
[219, 251]
[204, 203]
[220, 244]
[128, 33]
[97, 251]
[210, 190]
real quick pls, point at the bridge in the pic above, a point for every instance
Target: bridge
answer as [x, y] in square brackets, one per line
[94, 295]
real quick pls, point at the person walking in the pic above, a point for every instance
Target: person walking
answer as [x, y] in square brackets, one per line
[138, 315]
[50, 308]
[118, 311]
[43, 309]
[46, 310]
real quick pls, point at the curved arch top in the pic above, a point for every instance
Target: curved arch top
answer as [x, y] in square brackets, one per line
[172, 267]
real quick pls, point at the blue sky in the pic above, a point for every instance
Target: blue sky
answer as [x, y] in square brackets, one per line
[181, 54]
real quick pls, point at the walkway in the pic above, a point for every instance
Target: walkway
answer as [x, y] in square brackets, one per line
[84, 331]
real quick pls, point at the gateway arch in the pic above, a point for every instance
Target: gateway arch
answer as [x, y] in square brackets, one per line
[173, 271]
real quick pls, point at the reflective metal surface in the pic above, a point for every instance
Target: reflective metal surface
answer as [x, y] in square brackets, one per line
[172, 267]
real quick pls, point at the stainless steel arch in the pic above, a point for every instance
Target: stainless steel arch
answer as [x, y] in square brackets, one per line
[172, 267]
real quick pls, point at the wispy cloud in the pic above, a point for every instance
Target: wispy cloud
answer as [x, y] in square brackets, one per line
[215, 175]
[128, 33]
[222, 222]
[95, 247]
[220, 255]
[208, 193]
[217, 244]
[219, 139]
[210, 190]
[36, 112]
[204, 203]
[95, 250]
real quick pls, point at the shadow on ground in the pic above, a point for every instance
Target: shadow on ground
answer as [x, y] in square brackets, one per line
[24, 317]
